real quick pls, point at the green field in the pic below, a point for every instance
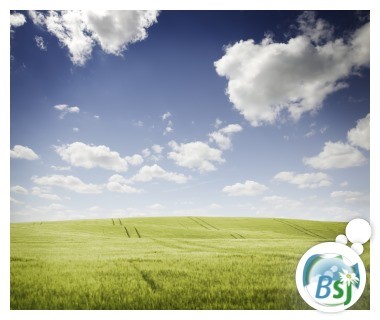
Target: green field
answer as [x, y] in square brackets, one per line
[164, 263]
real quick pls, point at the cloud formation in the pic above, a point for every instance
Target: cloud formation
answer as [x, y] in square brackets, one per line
[68, 182]
[65, 109]
[21, 152]
[40, 43]
[344, 155]
[336, 155]
[359, 136]
[268, 80]
[222, 137]
[79, 154]
[305, 180]
[118, 183]
[79, 31]
[347, 196]
[17, 20]
[148, 173]
[248, 188]
[19, 190]
[195, 155]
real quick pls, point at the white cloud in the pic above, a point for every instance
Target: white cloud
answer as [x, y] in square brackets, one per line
[68, 182]
[148, 173]
[166, 116]
[79, 31]
[336, 155]
[157, 148]
[118, 183]
[217, 123]
[76, 129]
[14, 201]
[344, 184]
[222, 137]
[281, 203]
[135, 160]
[195, 155]
[115, 30]
[138, 123]
[60, 168]
[40, 43]
[269, 80]
[96, 116]
[248, 188]
[359, 136]
[17, 20]
[21, 152]
[168, 130]
[79, 154]
[19, 190]
[347, 196]
[65, 109]
[156, 206]
[304, 180]
[45, 193]
[37, 17]
[145, 152]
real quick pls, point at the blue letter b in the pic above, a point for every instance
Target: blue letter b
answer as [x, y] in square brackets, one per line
[327, 281]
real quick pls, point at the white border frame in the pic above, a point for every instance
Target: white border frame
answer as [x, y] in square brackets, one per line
[7, 5]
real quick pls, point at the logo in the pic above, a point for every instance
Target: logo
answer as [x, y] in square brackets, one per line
[331, 276]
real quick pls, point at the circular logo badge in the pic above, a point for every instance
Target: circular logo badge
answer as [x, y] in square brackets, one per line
[330, 277]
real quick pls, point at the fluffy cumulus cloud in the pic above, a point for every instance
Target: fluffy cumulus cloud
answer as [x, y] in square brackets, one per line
[305, 180]
[118, 183]
[248, 188]
[148, 173]
[45, 193]
[17, 20]
[157, 148]
[359, 136]
[19, 190]
[222, 137]
[68, 182]
[65, 109]
[347, 196]
[268, 80]
[336, 155]
[135, 160]
[21, 152]
[79, 31]
[195, 155]
[79, 154]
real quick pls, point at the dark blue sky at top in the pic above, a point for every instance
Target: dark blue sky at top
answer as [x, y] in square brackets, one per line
[172, 70]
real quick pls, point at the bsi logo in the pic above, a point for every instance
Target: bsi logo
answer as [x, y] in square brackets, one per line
[331, 276]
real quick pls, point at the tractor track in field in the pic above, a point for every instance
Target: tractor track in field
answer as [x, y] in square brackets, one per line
[146, 277]
[301, 229]
[197, 222]
[209, 224]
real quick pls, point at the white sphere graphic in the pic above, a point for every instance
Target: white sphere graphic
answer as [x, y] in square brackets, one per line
[341, 239]
[358, 231]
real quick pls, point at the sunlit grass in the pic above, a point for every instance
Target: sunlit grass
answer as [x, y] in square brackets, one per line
[164, 263]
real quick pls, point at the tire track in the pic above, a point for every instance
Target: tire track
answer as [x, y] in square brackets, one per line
[300, 229]
[197, 222]
[205, 222]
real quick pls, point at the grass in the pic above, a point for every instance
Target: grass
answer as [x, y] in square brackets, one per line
[164, 263]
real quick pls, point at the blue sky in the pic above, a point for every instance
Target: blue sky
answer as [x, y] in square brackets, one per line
[257, 114]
